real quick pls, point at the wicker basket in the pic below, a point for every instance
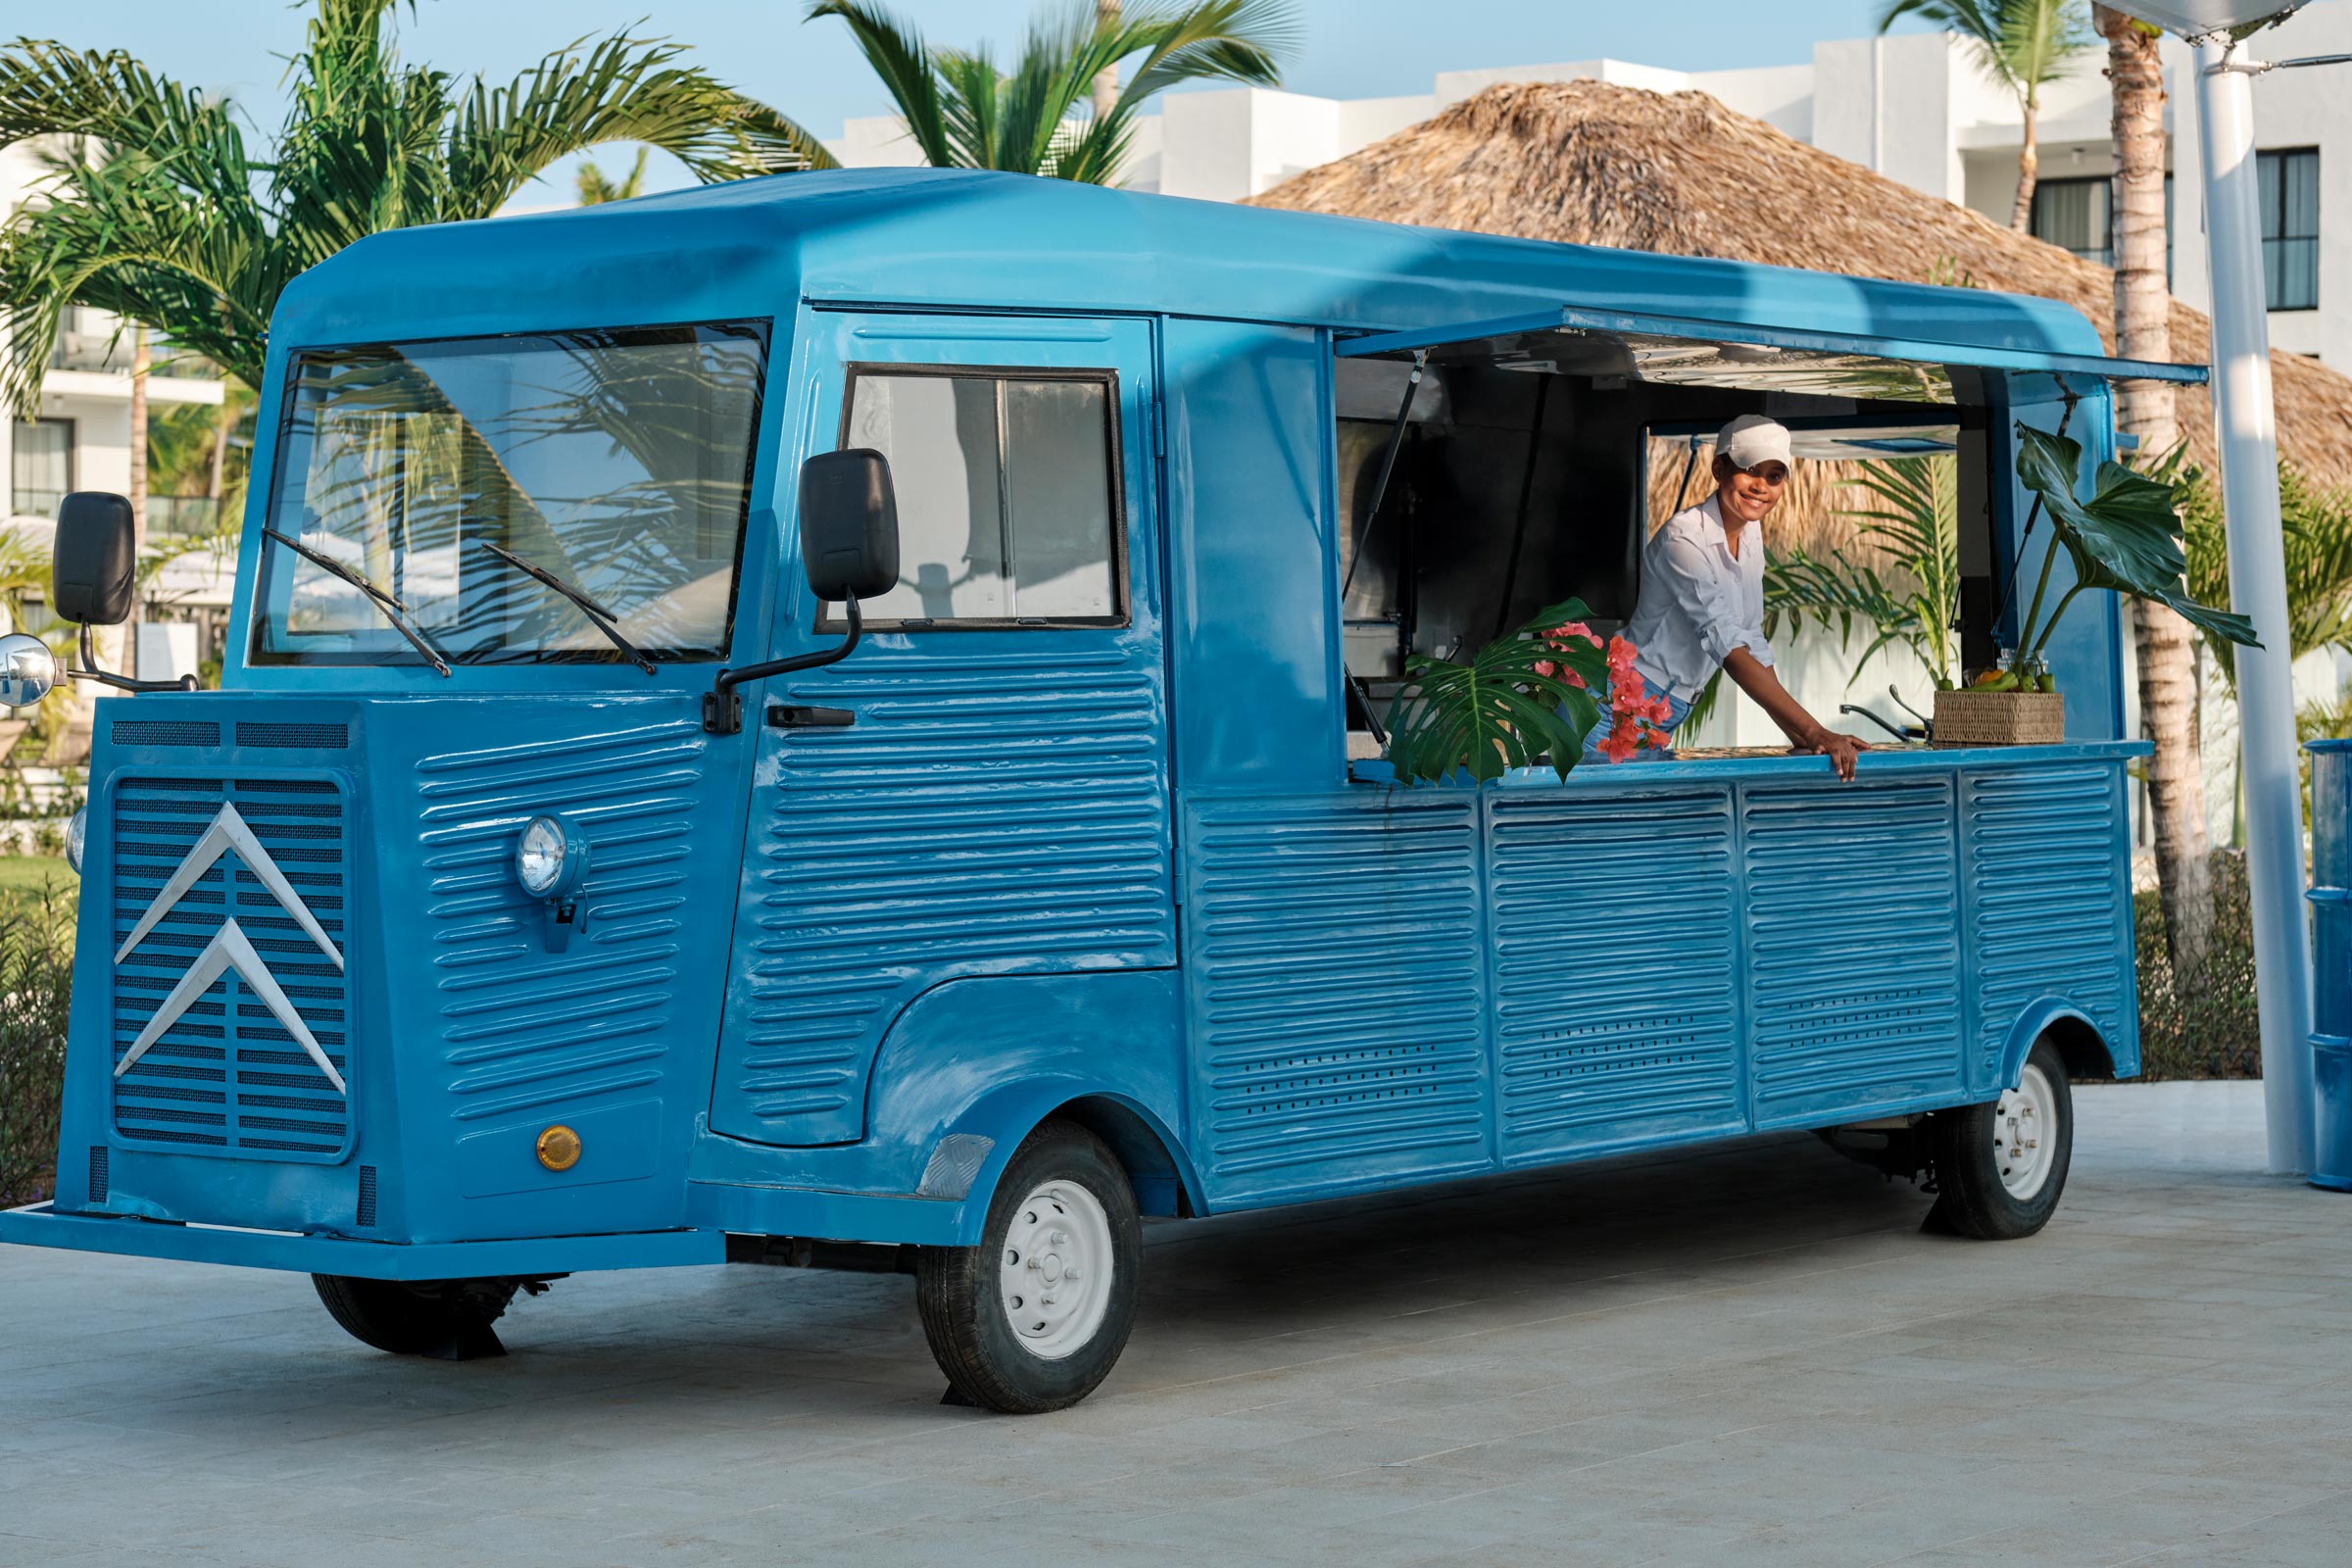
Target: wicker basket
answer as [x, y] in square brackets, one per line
[1999, 718]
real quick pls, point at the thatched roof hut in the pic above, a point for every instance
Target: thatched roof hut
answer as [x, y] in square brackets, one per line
[1596, 164]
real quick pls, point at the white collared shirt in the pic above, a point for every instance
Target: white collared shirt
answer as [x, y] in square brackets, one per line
[1699, 602]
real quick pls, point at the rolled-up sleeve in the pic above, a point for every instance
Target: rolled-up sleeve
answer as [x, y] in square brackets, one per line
[1706, 600]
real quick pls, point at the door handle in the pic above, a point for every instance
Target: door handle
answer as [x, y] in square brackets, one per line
[784, 715]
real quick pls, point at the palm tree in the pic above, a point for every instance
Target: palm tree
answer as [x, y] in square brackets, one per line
[154, 210]
[963, 113]
[596, 189]
[2166, 644]
[2025, 45]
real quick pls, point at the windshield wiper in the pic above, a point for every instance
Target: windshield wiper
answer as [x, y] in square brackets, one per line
[598, 615]
[394, 610]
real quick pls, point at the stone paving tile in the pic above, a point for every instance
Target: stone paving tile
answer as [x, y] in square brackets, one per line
[1746, 1354]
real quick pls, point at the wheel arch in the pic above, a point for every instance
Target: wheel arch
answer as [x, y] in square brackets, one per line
[2081, 1044]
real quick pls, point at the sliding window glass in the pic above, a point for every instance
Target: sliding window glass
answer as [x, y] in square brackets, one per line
[2289, 182]
[1007, 489]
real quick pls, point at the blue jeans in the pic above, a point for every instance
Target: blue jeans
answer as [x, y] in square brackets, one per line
[1676, 708]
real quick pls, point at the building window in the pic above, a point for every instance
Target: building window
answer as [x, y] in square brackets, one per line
[42, 469]
[2072, 215]
[2289, 182]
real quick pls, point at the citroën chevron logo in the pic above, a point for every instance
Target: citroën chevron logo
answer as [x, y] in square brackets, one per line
[229, 948]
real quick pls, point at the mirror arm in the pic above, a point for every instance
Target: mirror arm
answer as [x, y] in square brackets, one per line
[722, 703]
[122, 683]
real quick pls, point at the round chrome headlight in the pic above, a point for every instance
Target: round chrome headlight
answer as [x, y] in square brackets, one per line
[74, 832]
[541, 855]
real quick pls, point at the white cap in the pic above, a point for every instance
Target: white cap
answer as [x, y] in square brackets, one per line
[1752, 439]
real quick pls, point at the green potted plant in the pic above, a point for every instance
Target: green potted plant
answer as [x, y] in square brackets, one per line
[1526, 700]
[2125, 538]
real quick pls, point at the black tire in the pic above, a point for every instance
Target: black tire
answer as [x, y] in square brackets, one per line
[448, 1320]
[1977, 1150]
[964, 1301]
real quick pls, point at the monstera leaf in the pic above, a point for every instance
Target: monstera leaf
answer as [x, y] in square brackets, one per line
[1520, 699]
[2125, 537]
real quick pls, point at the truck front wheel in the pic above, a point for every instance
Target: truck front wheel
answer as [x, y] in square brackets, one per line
[448, 1320]
[1033, 1317]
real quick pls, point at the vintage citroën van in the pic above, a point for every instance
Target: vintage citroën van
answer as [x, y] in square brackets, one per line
[834, 720]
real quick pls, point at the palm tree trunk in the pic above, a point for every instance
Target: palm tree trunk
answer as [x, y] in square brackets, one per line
[2028, 167]
[1107, 80]
[2167, 672]
[138, 482]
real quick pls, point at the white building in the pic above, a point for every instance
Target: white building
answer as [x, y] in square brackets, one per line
[81, 440]
[1913, 106]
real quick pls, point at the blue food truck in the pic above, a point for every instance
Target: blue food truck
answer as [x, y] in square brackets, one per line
[834, 720]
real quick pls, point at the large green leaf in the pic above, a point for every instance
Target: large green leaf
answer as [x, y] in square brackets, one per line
[2126, 537]
[1499, 711]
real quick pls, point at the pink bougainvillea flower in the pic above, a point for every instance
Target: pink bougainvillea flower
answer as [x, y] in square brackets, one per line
[1572, 677]
[1621, 654]
[1575, 628]
[1619, 745]
[1545, 667]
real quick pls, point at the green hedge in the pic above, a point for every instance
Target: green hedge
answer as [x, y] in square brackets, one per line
[37, 977]
[2212, 1033]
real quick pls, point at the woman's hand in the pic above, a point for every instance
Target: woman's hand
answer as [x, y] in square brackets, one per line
[1841, 750]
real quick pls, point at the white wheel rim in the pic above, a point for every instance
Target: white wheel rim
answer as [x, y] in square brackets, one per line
[2024, 1134]
[1054, 1274]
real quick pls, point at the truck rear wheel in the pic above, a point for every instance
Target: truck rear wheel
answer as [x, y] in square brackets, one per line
[448, 1320]
[2000, 1167]
[1035, 1316]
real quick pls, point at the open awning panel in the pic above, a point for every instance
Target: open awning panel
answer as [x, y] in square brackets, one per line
[1676, 350]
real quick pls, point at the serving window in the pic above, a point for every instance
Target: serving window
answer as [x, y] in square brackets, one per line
[1008, 494]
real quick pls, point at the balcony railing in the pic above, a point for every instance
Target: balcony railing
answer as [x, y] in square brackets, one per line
[109, 355]
[177, 516]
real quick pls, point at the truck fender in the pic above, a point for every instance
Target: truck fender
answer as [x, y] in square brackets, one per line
[988, 1057]
[2081, 1044]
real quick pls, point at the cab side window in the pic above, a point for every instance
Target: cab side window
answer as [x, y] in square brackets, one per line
[1008, 494]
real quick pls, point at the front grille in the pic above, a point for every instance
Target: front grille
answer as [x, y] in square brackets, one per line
[297, 737]
[228, 1077]
[165, 732]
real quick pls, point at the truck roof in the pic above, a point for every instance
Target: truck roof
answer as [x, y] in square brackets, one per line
[978, 241]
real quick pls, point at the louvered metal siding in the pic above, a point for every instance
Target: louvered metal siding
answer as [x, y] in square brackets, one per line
[1334, 954]
[1613, 962]
[994, 813]
[525, 1031]
[2049, 909]
[1854, 946]
[227, 1078]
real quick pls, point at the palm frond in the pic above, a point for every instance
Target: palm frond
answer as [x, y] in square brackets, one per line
[894, 48]
[1520, 701]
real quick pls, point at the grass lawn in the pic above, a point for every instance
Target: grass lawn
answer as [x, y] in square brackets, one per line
[24, 873]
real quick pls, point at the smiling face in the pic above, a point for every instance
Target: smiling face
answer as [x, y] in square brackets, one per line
[1747, 494]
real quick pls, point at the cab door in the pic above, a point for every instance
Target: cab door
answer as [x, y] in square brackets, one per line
[982, 787]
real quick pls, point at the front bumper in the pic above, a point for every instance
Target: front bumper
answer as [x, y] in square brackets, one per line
[42, 1226]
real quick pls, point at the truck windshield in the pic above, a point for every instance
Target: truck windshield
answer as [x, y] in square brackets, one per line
[617, 461]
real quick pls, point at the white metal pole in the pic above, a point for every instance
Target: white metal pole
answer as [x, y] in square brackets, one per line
[2246, 429]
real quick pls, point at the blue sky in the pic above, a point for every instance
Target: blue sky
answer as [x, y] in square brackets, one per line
[1349, 48]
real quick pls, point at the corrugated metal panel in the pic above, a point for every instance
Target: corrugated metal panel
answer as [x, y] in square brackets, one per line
[2048, 914]
[1853, 953]
[1334, 956]
[989, 812]
[523, 1028]
[227, 1078]
[1614, 970]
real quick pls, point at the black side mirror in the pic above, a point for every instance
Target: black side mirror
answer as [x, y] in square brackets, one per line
[92, 567]
[849, 550]
[848, 524]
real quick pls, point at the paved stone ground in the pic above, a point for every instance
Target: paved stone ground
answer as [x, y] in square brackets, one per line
[1747, 1355]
